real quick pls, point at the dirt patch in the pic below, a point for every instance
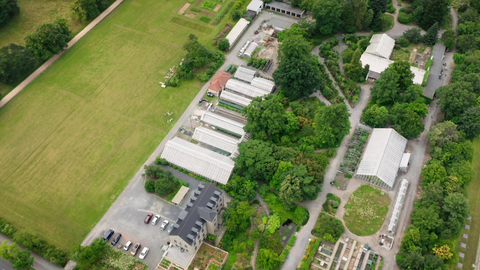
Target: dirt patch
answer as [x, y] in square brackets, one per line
[199, 3]
[209, 14]
[190, 15]
[217, 8]
[182, 10]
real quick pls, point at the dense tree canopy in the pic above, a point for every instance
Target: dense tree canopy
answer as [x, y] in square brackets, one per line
[241, 188]
[88, 256]
[8, 9]
[328, 15]
[237, 216]
[16, 63]
[49, 39]
[413, 35]
[469, 122]
[406, 121]
[431, 36]
[332, 123]
[375, 116]
[456, 99]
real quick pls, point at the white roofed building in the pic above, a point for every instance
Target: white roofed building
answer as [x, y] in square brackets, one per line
[264, 84]
[245, 74]
[397, 208]
[237, 31]
[222, 122]
[216, 139]
[255, 6]
[198, 160]
[381, 45]
[245, 89]
[235, 98]
[382, 156]
[251, 48]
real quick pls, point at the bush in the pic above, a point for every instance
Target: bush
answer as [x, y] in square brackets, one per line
[404, 18]
[236, 15]
[161, 161]
[327, 226]
[402, 41]
[392, 9]
[205, 19]
[331, 153]
[150, 186]
[42, 247]
[7, 228]
[223, 44]
[301, 216]
[263, 190]
[291, 241]
[195, 9]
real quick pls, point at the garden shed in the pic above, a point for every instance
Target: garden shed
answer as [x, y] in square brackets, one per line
[198, 160]
[237, 31]
[381, 159]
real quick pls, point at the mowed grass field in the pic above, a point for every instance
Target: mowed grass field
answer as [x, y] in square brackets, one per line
[72, 140]
[473, 194]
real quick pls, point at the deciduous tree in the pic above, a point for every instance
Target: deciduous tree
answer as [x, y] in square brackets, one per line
[375, 116]
[237, 216]
[256, 160]
[443, 252]
[456, 99]
[223, 44]
[469, 122]
[49, 39]
[16, 63]
[456, 206]
[8, 9]
[267, 259]
[328, 15]
[449, 39]
[443, 133]
[241, 188]
[413, 35]
[332, 123]
[406, 121]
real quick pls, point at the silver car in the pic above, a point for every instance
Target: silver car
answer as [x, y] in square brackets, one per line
[127, 246]
[144, 253]
[164, 225]
[155, 219]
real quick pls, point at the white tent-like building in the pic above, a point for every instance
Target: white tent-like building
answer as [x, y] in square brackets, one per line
[381, 159]
[381, 45]
[216, 139]
[244, 89]
[223, 123]
[264, 84]
[235, 98]
[397, 209]
[237, 31]
[255, 6]
[198, 160]
[245, 74]
[251, 48]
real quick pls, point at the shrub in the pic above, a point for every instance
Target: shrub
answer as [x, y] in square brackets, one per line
[402, 41]
[161, 161]
[150, 186]
[195, 9]
[263, 190]
[301, 216]
[392, 9]
[205, 19]
[331, 153]
[223, 44]
[236, 15]
[42, 247]
[404, 18]
[291, 241]
[7, 228]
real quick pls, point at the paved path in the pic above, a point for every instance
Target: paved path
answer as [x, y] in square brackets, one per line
[54, 58]
[314, 207]
[39, 262]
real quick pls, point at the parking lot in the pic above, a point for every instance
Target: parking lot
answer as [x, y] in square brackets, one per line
[127, 215]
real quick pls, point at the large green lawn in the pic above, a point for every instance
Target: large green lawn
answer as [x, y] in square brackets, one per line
[473, 193]
[366, 210]
[72, 140]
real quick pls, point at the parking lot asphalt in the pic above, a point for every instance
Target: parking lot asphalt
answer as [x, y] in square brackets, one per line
[434, 82]
[127, 216]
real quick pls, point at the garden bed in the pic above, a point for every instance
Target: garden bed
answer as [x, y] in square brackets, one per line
[205, 255]
[366, 210]
[331, 204]
[328, 228]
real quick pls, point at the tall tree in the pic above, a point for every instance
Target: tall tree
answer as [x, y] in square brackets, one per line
[256, 160]
[426, 218]
[16, 63]
[456, 206]
[328, 15]
[267, 259]
[456, 99]
[413, 35]
[297, 72]
[432, 194]
[375, 116]
[406, 121]
[360, 8]
[266, 117]
[49, 39]
[386, 88]
[241, 188]
[87, 256]
[8, 8]
[449, 39]
[443, 133]
[237, 216]
[470, 122]
[291, 191]
[348, 17]
[332, 123]
[434, 12]
[84, 10]
[431, 36]
[433, 172]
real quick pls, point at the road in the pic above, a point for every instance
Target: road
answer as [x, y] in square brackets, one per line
[39, 262]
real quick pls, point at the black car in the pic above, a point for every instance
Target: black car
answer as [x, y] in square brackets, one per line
[108, 235]
[210, 94]
[116, 239]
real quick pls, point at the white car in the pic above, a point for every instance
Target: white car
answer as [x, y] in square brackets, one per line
[144, 253]
[127, 246]
[155, 219]
[164, 225]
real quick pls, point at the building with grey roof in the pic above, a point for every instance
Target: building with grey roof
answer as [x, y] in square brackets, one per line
[285, 8]
[245, 74]
[199, 219]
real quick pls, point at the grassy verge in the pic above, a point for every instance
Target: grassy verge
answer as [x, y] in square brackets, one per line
[473, 193]
[74, 138]
[366, 210]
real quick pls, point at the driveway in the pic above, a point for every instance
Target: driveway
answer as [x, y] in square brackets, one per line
[434, 81]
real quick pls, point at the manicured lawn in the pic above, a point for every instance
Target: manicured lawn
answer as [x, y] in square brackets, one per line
[473, 193]
[74, 138]
[366, 210]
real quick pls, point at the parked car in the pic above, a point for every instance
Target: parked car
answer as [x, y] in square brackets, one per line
[256, 32]
[164, 225]
[144, 253]
[127, 245]
[155, 219]
[116, 239]
[135, 249]
[170, 229]
[148, 218]
[202, 100]
[108, 235]
[210, 94]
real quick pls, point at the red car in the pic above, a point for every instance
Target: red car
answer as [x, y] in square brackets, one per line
[148, 218]
[256, 32]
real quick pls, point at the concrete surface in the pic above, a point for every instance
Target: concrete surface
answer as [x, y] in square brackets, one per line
[434, 82]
